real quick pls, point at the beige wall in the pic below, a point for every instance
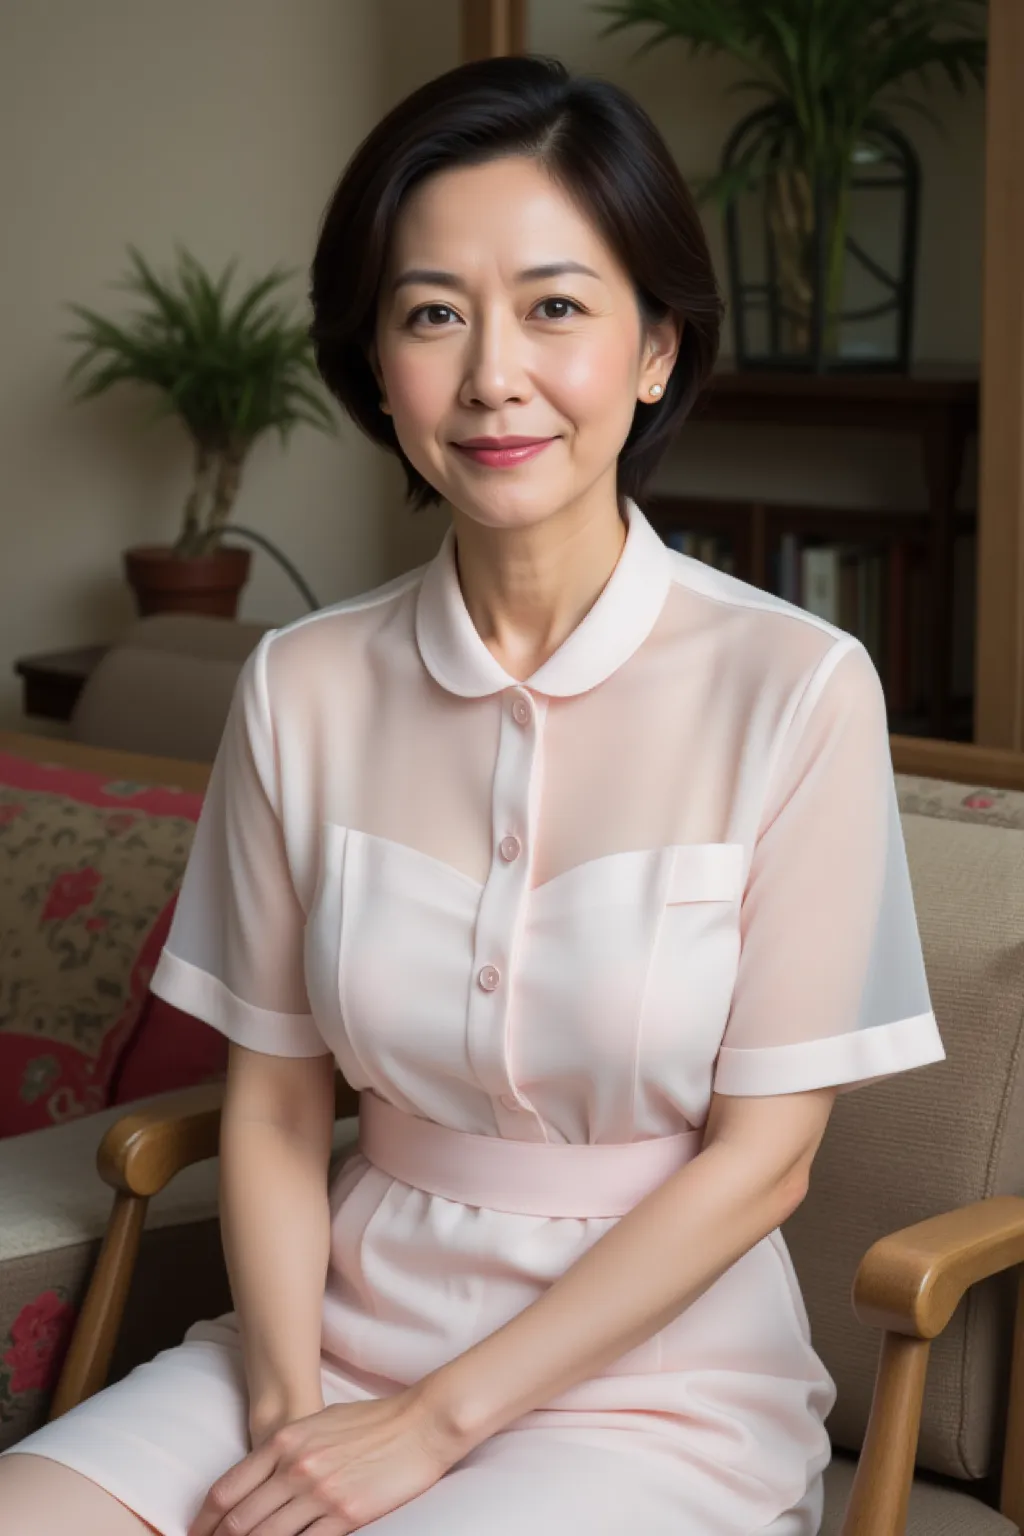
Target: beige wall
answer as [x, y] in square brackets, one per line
[224, 124]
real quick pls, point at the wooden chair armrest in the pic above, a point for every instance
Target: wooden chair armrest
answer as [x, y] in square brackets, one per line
[909, 1284]
[142, 1152]
[137, 1157]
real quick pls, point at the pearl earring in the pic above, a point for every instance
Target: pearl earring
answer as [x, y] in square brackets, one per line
[656, 389]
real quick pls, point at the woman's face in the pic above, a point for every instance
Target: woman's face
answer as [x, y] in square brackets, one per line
[503, 313]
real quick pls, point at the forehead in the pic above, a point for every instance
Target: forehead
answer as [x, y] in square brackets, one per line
[510, 206]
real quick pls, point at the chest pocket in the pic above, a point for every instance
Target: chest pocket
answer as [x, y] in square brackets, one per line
[624, 956]
[693, 967]
[388, 951]
[705, 872]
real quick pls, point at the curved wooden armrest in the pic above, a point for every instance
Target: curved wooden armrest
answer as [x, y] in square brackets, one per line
[142, 1152]
[137, 1157]
[909, 1284]
[912, 1281]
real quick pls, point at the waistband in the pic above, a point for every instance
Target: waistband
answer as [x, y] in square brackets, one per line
[528, 1178]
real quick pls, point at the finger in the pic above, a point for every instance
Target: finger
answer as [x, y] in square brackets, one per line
[304, 1514]
[257, 1511]
[230, 1488]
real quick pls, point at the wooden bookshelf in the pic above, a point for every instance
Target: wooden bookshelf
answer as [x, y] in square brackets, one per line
[913, 644]
[748, 538]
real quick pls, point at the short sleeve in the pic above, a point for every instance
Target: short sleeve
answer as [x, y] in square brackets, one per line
[234, 952]
[831, 986]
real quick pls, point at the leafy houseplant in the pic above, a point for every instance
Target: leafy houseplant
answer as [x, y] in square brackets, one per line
[229, 375]
[828, 71]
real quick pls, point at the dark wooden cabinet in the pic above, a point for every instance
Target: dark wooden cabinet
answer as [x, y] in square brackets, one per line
[52, 681]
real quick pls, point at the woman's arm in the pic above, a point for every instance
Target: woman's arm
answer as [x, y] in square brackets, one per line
[275, 1146]
[750, 1175]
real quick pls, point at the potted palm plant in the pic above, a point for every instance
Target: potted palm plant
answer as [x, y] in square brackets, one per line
[828, 72]
[229, 374]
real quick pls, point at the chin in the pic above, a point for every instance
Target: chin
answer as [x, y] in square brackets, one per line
[509, 510]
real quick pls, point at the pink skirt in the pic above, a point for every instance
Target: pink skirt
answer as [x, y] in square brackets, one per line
[594, 1460]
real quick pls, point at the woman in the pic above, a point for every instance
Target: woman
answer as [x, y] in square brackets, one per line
[582, 861]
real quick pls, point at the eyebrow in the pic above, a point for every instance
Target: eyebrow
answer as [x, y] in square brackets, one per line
[528, 275]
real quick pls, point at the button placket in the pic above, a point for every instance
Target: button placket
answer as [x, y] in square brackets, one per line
[503, 899]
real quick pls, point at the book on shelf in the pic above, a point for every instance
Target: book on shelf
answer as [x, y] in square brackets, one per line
[844, 583]
[819, 581]
[869, 580]
[710, 548]
[917, 621]
[787, 583]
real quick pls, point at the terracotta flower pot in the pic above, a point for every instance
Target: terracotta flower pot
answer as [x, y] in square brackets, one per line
[164, 583]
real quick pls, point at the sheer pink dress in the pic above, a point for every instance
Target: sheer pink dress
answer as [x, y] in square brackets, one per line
[528, 919]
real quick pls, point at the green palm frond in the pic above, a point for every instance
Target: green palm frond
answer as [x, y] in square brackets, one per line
[188, 344]
[229, 373]
[832, 62]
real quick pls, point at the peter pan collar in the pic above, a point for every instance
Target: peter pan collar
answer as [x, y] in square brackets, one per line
[616, 626]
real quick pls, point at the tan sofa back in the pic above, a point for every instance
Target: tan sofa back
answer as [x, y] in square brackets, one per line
[165, 686]
[935, 1138]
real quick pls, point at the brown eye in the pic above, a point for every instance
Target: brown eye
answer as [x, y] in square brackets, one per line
[431, 309]
[569, 303]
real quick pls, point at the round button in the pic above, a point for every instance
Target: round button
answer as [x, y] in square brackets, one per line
[522, 710]
[489, 978]
[509, 1101]
[510, 847]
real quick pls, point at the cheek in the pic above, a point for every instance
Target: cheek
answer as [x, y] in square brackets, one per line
[593, 382]
[418, 386]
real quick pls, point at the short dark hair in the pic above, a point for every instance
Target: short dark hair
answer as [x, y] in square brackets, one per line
[598, 143]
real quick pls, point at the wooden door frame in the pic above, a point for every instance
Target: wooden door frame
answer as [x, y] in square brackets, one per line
[999, 631]
[491, 27]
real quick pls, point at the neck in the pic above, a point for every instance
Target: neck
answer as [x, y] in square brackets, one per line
[527, 588]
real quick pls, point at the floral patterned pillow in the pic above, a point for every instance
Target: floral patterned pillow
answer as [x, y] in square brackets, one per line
[88, 865]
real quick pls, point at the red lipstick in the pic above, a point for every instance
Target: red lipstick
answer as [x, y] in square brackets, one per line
[502, 452]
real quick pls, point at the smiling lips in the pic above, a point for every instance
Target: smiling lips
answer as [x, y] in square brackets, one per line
[502, 452]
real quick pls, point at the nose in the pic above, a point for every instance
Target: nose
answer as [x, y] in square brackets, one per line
[496, 358]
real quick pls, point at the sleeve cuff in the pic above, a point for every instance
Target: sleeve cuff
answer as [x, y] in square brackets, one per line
[197, 992]
[853, 1059]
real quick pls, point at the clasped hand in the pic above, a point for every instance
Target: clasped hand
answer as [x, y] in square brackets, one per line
[331, 1472]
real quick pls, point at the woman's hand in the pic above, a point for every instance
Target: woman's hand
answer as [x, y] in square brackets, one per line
[333, 1471]
[266, 1417]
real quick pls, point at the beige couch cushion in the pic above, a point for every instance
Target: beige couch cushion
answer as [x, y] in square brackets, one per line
[934, 1510]
[165, 686]
[930, 1140]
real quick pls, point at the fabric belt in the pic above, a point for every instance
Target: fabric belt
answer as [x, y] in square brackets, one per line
[528, 1178]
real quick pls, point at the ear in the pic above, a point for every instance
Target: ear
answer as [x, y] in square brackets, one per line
[662, 339]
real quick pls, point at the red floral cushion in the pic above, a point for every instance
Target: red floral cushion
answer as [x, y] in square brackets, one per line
[36, 1345]
[88, 868]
